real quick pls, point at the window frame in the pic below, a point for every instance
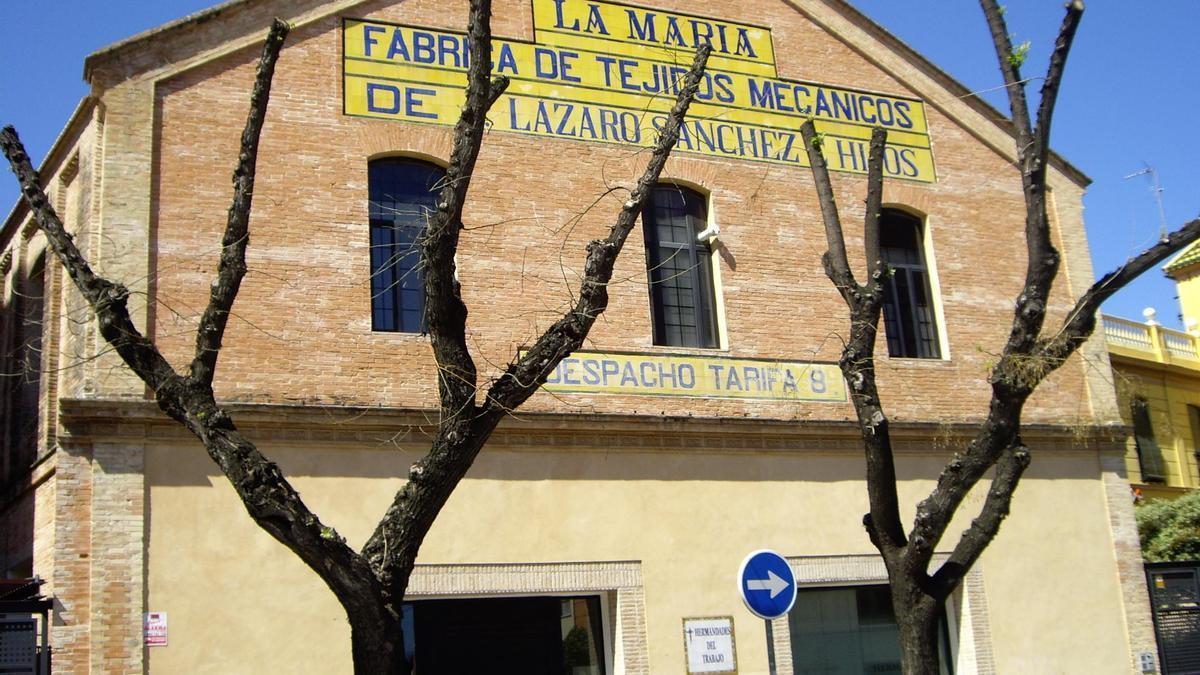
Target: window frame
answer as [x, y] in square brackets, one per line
[1194, 426]
[1145, 443]
[948, 647]
[703, 271]
[967, 639]
[387, 305]
[926, 268]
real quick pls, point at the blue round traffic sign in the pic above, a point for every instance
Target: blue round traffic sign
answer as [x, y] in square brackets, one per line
[766, 584]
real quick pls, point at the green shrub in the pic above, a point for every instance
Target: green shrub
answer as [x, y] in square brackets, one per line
[1169, 529]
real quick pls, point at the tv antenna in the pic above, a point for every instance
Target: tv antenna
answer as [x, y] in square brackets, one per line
[1157, 189]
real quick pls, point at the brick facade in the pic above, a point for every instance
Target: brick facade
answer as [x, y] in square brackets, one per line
[142, 176]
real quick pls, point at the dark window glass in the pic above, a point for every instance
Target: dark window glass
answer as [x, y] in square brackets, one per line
[907, 306]
[849, 631]
[1150, 460]
[680, 268]
[1194, 423]
[403, 192]
[20, 379]
[529, 635]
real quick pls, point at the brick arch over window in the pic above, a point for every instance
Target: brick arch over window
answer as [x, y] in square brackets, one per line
[381, 140]
[402, 194]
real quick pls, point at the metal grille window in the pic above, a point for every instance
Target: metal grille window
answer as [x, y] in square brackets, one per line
[680, 268]
[1175, 601]
[1150, 461]
[402, 192]
[908, 314]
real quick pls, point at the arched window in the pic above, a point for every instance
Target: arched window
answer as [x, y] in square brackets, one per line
[908, 312]
[403, 193]
[680, 268]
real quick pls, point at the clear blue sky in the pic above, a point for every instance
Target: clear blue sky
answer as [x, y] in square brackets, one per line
[1131, 91]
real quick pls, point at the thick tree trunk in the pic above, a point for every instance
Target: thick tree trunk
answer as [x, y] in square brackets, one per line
[377, 646]
[917, 617]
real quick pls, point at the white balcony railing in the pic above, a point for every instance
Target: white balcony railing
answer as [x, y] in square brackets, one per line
[1127, 333]
[1152, 341]
[1179, 344]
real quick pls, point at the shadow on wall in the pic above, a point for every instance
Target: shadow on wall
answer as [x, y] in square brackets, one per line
[190, 465]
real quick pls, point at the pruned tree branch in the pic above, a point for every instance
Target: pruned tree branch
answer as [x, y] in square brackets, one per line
[1009, 469]
[837, 264]
[875, 266]
[108, 299]
[525, 374]
[445, 313]
[465, 425]
[962, 473]
[392, 548]
[1027, 359]
[857, 362]
[1033, 147]
[270, 500]
[237, 228]
[1054, 75]
[1019, 370]
[1010, 67]
[1081, 320]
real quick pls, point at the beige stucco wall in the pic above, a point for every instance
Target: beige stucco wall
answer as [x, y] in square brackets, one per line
[1051, 575]
[239, 602]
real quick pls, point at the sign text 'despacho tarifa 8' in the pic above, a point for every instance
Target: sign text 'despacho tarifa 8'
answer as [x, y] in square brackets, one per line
[703, 376]
[609, 72]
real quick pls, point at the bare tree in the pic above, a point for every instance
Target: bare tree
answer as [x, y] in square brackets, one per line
[1030, 354]
[371, 583]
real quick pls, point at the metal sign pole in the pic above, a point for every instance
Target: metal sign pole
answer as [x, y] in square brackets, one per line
[771, 646]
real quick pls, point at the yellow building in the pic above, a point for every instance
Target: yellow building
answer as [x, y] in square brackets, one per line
[1157, 378]
[707, 418]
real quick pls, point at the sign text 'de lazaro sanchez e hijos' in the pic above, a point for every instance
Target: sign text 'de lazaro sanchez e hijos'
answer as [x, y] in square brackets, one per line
[607, 72]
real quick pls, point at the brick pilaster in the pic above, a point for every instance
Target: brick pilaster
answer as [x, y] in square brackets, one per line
[1139, 624]
[117, 579]
[70, 583]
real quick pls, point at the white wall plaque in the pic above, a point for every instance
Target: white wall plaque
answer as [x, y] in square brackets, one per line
[709, 645]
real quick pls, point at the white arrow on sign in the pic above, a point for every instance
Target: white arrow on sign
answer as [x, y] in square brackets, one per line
[773, 583]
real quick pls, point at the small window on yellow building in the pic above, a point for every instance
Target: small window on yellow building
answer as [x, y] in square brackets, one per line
[1194, 418]
[1150, 460]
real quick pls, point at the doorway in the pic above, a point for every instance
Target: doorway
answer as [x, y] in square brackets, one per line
[541, 635]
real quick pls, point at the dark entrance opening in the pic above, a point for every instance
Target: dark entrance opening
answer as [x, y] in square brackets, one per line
[530, 635]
